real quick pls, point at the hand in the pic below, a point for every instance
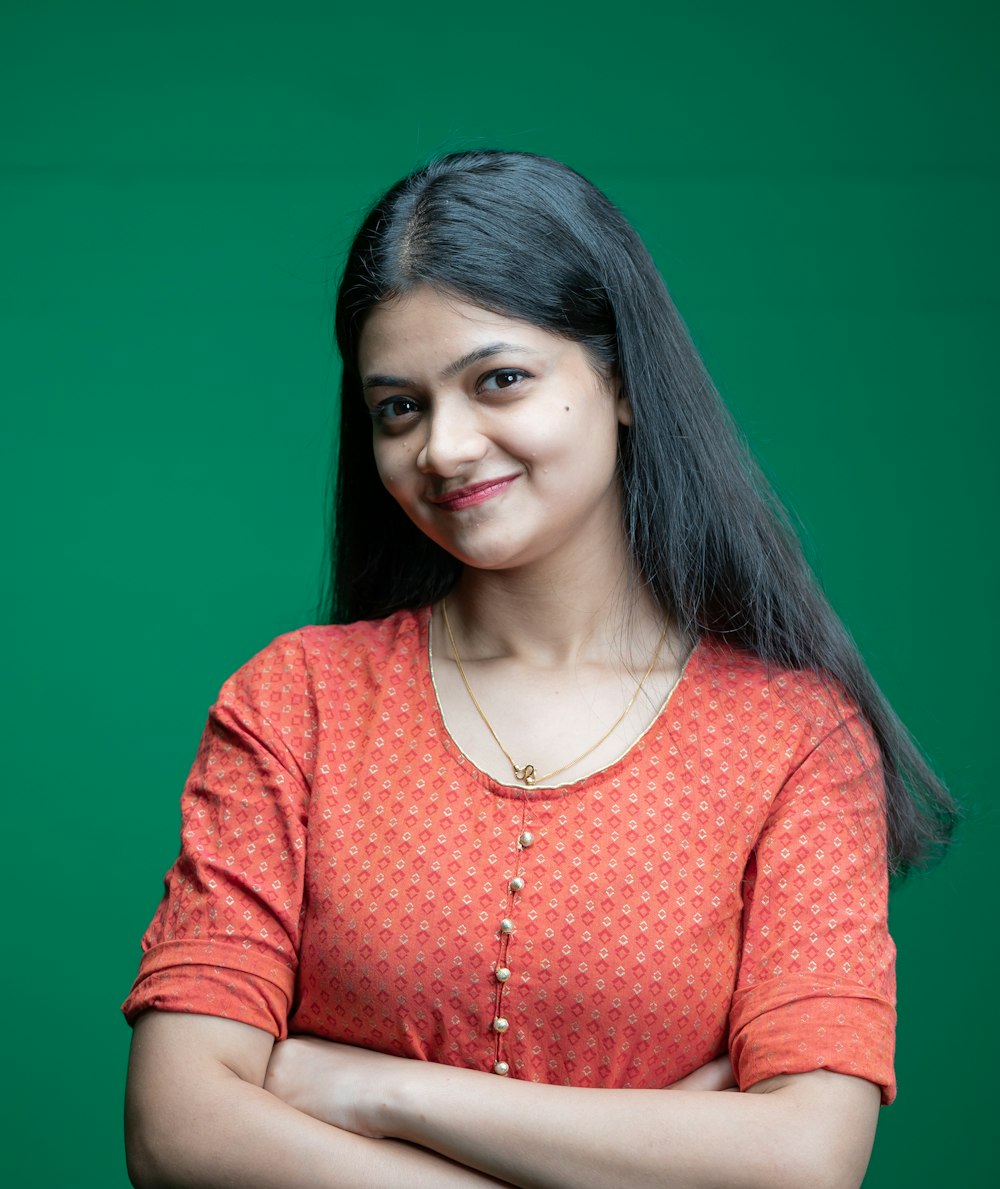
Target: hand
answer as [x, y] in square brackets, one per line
[715, 1075]
[339, 1084]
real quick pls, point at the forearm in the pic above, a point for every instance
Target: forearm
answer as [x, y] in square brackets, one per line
[813, 1129]
[246, 1137]
[192, 1121]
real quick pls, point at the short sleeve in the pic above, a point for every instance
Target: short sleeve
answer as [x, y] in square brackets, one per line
[816, 981]
[224, 939]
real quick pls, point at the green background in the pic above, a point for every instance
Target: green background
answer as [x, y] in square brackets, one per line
[178, 184]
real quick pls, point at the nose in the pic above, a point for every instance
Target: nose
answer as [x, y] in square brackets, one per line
[453, 440]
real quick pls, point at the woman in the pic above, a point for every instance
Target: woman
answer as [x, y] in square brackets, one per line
[589, 794]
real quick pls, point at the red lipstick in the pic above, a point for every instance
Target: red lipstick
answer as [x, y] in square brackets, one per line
[475, 493]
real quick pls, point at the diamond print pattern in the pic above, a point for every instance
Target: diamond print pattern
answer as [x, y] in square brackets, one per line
[345, 871]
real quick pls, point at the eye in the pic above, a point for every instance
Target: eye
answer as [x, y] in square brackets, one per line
[500, 379]
[395, 409]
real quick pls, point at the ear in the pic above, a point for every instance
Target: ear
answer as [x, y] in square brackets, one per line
[623, 407]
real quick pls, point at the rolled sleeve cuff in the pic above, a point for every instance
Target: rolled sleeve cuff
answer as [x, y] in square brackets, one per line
[799, 1024]
[214, 978]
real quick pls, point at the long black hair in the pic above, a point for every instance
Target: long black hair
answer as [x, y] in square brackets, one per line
[529, 238]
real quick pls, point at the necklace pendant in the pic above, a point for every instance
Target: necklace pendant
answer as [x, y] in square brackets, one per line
[527, 774]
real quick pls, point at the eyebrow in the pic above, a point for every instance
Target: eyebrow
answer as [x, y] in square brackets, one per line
[487, 351]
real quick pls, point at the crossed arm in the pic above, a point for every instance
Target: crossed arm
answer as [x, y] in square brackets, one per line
[212, 1102]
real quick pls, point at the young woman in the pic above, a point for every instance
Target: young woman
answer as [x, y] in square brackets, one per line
[585, 809]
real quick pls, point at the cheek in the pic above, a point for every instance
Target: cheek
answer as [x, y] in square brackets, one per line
[530, 435]
[390, 463]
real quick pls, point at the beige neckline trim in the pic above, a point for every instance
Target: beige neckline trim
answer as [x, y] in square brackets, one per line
[534, 790]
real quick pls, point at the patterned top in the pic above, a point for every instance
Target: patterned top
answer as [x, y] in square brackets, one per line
[347, 872]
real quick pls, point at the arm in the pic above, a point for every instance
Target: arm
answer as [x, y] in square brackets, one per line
[196, 1115]
[218, 974]
[815, 1128]
[816, 981]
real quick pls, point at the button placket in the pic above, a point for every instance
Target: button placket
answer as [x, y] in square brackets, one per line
[502, 971]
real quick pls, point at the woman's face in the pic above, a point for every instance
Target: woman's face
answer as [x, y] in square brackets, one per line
[497, 438]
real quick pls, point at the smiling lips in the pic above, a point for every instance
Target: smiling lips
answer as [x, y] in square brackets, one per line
[475, 493]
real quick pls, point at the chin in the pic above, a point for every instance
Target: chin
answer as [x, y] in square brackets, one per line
[492, 560]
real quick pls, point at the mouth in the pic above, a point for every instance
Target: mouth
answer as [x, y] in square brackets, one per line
[475, 493]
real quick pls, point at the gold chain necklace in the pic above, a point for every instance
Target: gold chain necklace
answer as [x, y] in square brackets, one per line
[526, 772]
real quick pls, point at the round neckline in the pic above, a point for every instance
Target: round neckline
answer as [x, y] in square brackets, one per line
[546, 792]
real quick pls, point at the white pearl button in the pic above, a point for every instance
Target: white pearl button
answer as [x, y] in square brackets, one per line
[500, 1024]
[507, 925]
[502, 1068]
[526, 839]
[516, 884]
[503, 974]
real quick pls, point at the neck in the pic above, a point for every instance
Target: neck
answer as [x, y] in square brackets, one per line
[549, 619]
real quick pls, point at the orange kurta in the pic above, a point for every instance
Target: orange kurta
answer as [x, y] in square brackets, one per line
[346, 872]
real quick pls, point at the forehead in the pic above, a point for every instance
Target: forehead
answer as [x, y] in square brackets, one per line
[434, 326]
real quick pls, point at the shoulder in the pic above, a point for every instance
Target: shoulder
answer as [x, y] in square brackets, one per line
[796, 709]
[366, 643]
[732, 673]
[327, 655]
[794, 737]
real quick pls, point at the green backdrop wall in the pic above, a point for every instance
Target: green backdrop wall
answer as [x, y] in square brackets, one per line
[178, 183]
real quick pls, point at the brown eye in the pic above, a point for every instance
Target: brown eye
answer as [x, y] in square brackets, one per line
[393, 410]
[504, 377]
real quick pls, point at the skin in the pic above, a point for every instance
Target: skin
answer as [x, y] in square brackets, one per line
[499, 440]
[533, 412]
